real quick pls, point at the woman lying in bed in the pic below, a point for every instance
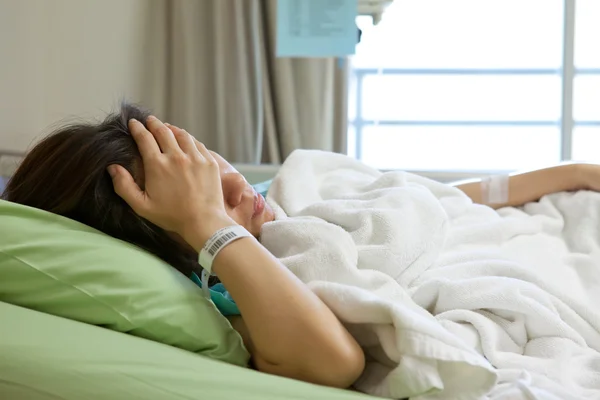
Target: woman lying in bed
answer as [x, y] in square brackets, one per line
[154, 185]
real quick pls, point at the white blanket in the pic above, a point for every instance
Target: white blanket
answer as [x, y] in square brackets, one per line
[449, 299]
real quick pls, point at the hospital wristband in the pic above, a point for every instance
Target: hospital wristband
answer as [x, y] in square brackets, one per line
[213, 246]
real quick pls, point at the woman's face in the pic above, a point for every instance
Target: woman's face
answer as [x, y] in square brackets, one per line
[242, 203]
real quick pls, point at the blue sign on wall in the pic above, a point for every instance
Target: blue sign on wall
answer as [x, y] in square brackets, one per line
[316, 28]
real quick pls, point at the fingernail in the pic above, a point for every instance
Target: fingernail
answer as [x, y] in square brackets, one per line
[152, 117]
[167, 124]
[132, 120]
[112, 170]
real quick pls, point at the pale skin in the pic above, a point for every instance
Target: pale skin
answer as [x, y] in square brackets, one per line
[287, 329]
[530, 186]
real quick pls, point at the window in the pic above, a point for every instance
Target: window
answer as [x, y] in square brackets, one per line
[586, 83]
[477, 85]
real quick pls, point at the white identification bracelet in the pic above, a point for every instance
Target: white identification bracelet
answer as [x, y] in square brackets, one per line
[494, 189]
[217, 241]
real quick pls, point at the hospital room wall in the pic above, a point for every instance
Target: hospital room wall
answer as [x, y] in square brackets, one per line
[67, 58]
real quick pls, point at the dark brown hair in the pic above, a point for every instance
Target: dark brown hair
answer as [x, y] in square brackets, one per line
[66, 174]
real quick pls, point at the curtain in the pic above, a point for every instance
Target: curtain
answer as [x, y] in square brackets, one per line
[223, 83]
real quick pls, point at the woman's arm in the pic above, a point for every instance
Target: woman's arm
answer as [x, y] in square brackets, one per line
[531, 186]
[288, 329]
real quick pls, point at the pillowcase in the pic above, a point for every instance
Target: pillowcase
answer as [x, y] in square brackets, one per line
[59, 266]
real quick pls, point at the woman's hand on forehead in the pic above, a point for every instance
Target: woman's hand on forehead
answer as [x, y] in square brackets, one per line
[182, 186]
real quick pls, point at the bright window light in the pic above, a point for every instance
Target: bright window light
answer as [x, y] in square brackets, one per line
[475, 85]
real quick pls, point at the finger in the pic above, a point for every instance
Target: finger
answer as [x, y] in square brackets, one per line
[203, 150]
[143, 138]
[184, 139]
[126, 188]
[164, 136]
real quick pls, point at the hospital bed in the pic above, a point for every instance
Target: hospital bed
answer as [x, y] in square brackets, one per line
[35, 344]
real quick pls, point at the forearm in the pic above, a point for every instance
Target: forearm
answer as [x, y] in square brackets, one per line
[531, 186]
[292, 332]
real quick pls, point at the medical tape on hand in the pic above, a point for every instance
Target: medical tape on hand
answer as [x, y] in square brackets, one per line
[494, 189]
[213, 246]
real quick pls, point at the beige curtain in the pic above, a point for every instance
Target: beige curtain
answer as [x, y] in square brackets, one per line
[223, 83]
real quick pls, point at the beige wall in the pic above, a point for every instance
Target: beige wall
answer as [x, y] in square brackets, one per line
[74, 58]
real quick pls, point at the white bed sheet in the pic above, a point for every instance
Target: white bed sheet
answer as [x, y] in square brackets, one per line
[449, 299]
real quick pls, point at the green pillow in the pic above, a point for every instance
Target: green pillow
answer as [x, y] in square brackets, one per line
[58, 266]
[50, 358]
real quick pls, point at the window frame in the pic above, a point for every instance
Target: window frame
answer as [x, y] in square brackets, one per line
[566, 123]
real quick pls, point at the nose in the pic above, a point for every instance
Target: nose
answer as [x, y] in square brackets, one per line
[234, 185]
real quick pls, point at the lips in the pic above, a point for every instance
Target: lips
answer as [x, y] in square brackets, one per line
[259, 205]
